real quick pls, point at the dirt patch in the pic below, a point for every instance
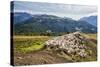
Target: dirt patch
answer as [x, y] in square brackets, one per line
[40, 57]
[72, 47]
[95, 41]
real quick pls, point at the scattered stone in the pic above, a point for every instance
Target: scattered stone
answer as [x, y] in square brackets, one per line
[19, 58]
[73, 43]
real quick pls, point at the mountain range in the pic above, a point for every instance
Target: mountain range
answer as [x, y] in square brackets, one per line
[91, 19]
[21, 17]
[37, 23]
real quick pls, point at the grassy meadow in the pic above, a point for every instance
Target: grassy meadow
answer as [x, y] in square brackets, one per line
[32, 43]
[26, 44]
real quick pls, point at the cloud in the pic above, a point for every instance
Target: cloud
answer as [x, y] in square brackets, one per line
[73, 11]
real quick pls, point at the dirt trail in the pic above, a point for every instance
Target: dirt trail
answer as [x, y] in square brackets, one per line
[40, 57]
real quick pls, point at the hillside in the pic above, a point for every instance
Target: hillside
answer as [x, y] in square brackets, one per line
[91, 19]
[19, 17]
[73, 47]
[41, 23]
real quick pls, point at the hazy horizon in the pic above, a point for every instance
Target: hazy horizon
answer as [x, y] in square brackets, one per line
[62, 10]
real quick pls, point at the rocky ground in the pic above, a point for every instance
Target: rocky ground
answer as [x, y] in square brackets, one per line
[73, 43]
[73, 47]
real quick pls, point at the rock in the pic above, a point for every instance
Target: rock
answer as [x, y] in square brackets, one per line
[73, 43]
[19, 58]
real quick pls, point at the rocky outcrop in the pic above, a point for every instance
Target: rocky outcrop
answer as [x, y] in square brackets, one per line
[72, 44]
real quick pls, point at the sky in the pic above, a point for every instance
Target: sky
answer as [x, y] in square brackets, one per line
[62, 10]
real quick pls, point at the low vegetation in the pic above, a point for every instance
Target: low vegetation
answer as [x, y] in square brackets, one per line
[29, 43]
[31, 48]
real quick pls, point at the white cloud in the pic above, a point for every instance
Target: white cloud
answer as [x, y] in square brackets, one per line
[64, 10]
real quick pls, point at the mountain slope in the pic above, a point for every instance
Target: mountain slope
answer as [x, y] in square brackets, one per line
[91, 19]
[20, 16]
[42, 23]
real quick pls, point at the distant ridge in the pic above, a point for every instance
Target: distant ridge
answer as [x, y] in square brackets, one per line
[27, 23]
[91, 19]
